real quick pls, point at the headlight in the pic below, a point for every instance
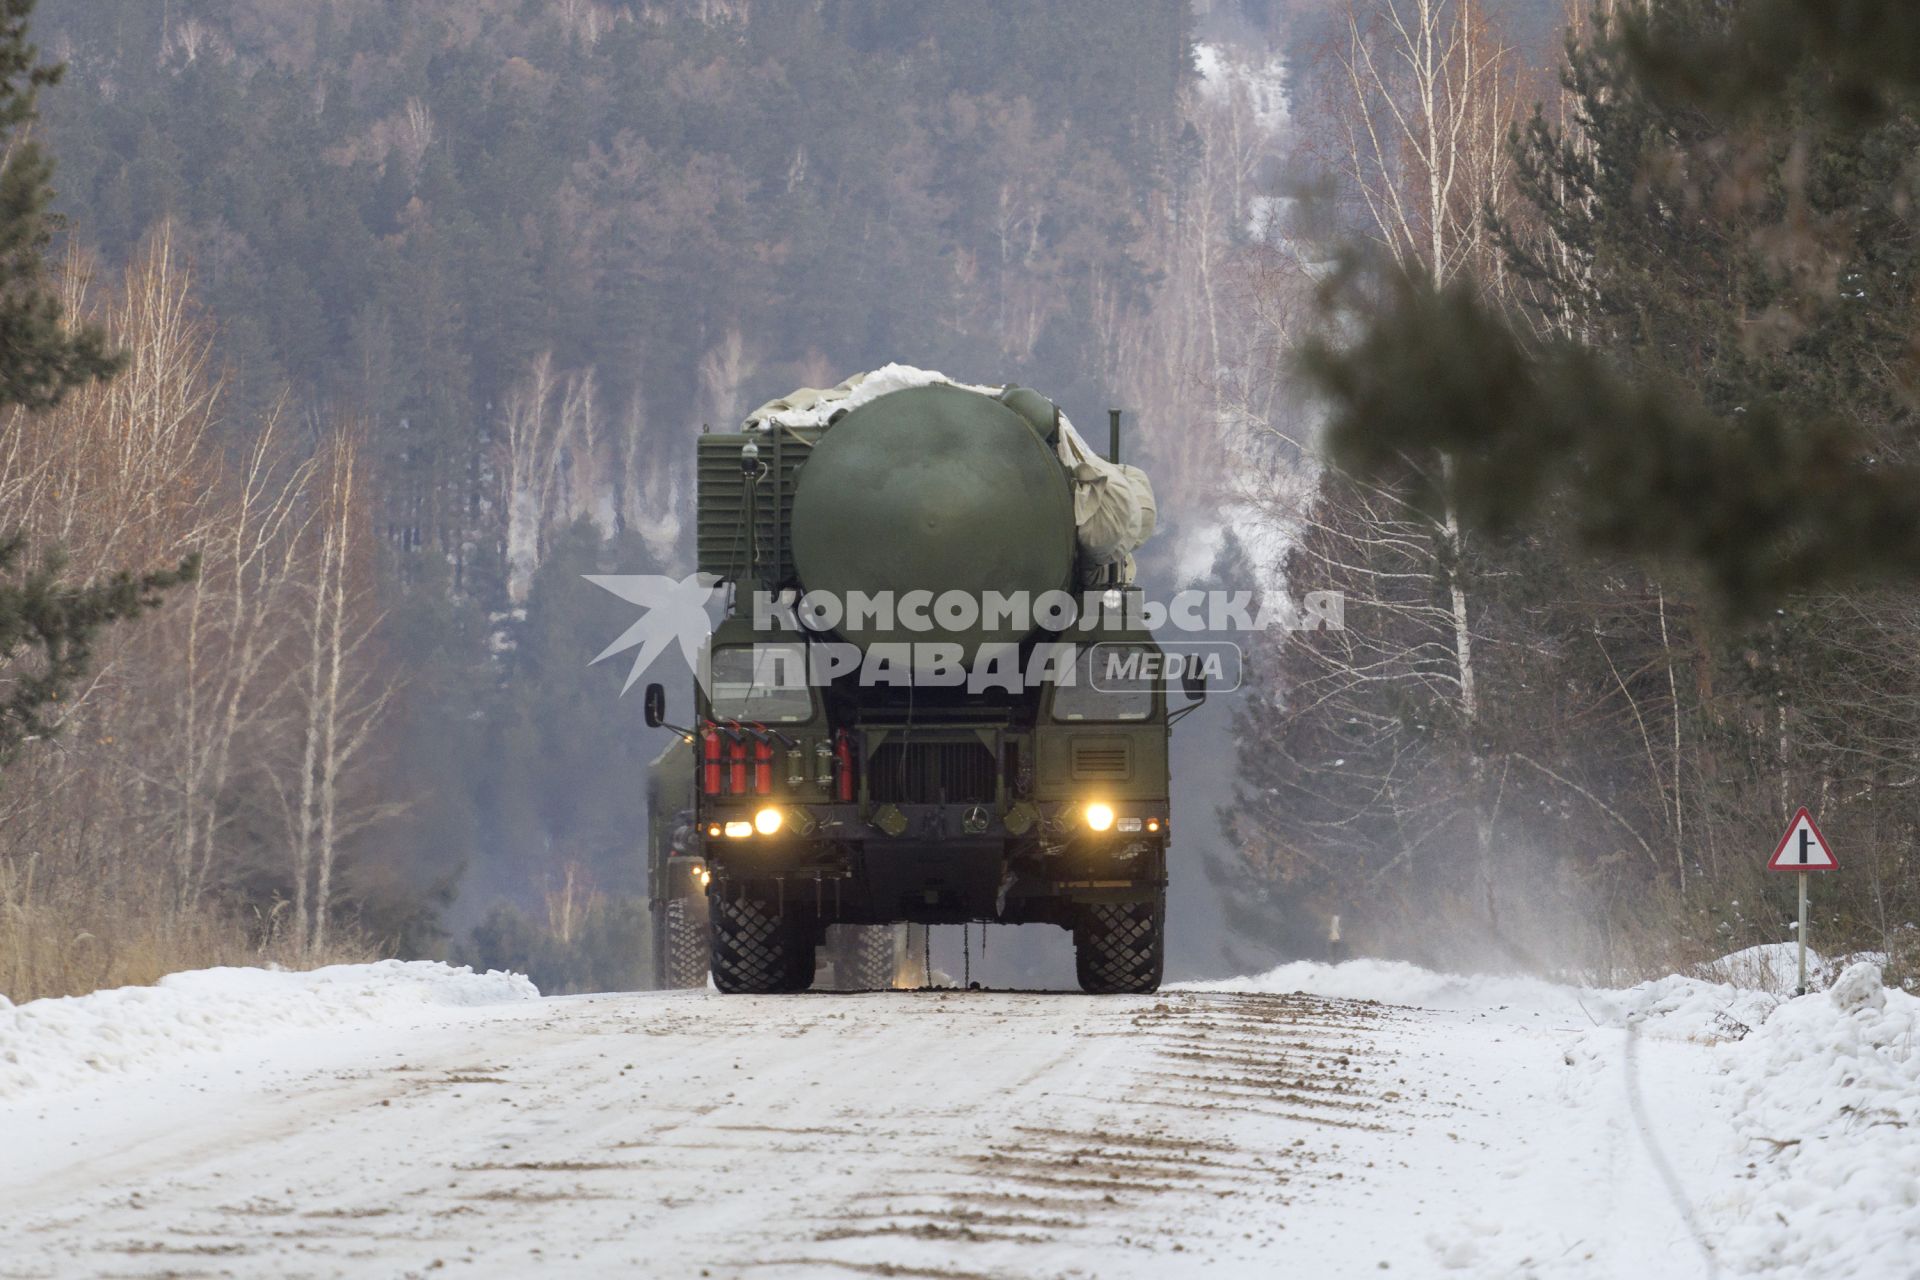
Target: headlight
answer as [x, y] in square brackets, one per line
[1099, 816]
[739, 830]
[767, 821]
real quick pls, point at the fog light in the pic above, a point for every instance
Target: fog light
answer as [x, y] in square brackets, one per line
[737, 830]
[706, 878]
[1129, 824]
[1153, 824]
[767, 821]
[714, 830]
[1099, 816]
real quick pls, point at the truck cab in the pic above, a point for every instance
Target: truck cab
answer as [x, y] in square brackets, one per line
[814, 805]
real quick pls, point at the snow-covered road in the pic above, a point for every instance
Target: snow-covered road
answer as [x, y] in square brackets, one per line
[946, 1134]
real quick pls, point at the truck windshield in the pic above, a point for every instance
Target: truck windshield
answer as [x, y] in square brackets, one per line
[766, 683]
[1110, 682]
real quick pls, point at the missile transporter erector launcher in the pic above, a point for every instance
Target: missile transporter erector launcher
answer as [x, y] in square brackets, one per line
[930, 700]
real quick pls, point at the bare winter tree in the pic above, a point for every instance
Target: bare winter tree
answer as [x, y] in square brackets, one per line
[1366, 781]
[650, 490]
[570, 902]
[115, 473]
[724, 370]
[1200, 356]
[415, 133]
[231, 631]
[115, 839]
[534, 445]
[559, 466]
[1431, 94]
[583, 489]
[187, 39]
[122, 472]
[339, 691]
[585, 21]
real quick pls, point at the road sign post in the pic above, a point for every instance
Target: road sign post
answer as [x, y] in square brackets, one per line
[1801, 933]
[1803, 849]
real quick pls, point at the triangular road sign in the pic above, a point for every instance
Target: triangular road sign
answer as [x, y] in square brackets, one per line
[1803, 848]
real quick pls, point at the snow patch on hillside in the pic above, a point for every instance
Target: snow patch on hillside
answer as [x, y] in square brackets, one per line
[1224, 72]
[55, 1044]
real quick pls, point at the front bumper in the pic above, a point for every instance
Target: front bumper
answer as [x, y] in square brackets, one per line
[1048, 823]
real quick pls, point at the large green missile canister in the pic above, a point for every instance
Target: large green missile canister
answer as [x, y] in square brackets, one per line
[933, 489]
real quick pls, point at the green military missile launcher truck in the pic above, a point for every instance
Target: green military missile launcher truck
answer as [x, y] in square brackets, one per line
[930, 700]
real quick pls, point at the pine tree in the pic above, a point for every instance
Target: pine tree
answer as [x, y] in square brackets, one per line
[1726, 384]
[47, 629]
[57, 625]
[40, 355]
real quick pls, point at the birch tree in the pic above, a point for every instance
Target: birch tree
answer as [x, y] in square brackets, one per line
[231, 629]
[1431, 95]
[533, 444]
[339, 690]
[560, 465]
[651, 483]
[1202, 354]
[723, 373]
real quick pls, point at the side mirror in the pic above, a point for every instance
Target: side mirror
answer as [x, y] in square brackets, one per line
[654, 704]
[1193, 683]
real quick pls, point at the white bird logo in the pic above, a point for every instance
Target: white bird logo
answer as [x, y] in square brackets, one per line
[676, 611]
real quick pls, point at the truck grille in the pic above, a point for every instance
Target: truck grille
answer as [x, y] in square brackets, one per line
[1102, 760]
[931, 773]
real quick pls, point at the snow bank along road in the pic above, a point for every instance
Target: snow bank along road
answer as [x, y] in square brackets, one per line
[406, 1119]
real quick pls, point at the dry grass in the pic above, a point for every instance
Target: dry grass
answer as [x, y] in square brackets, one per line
[78, 940]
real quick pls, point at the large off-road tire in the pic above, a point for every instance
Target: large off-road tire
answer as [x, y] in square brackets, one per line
[1120, 948]
[805, 960]
[755, 951]
[863, 957]
[686, 944]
